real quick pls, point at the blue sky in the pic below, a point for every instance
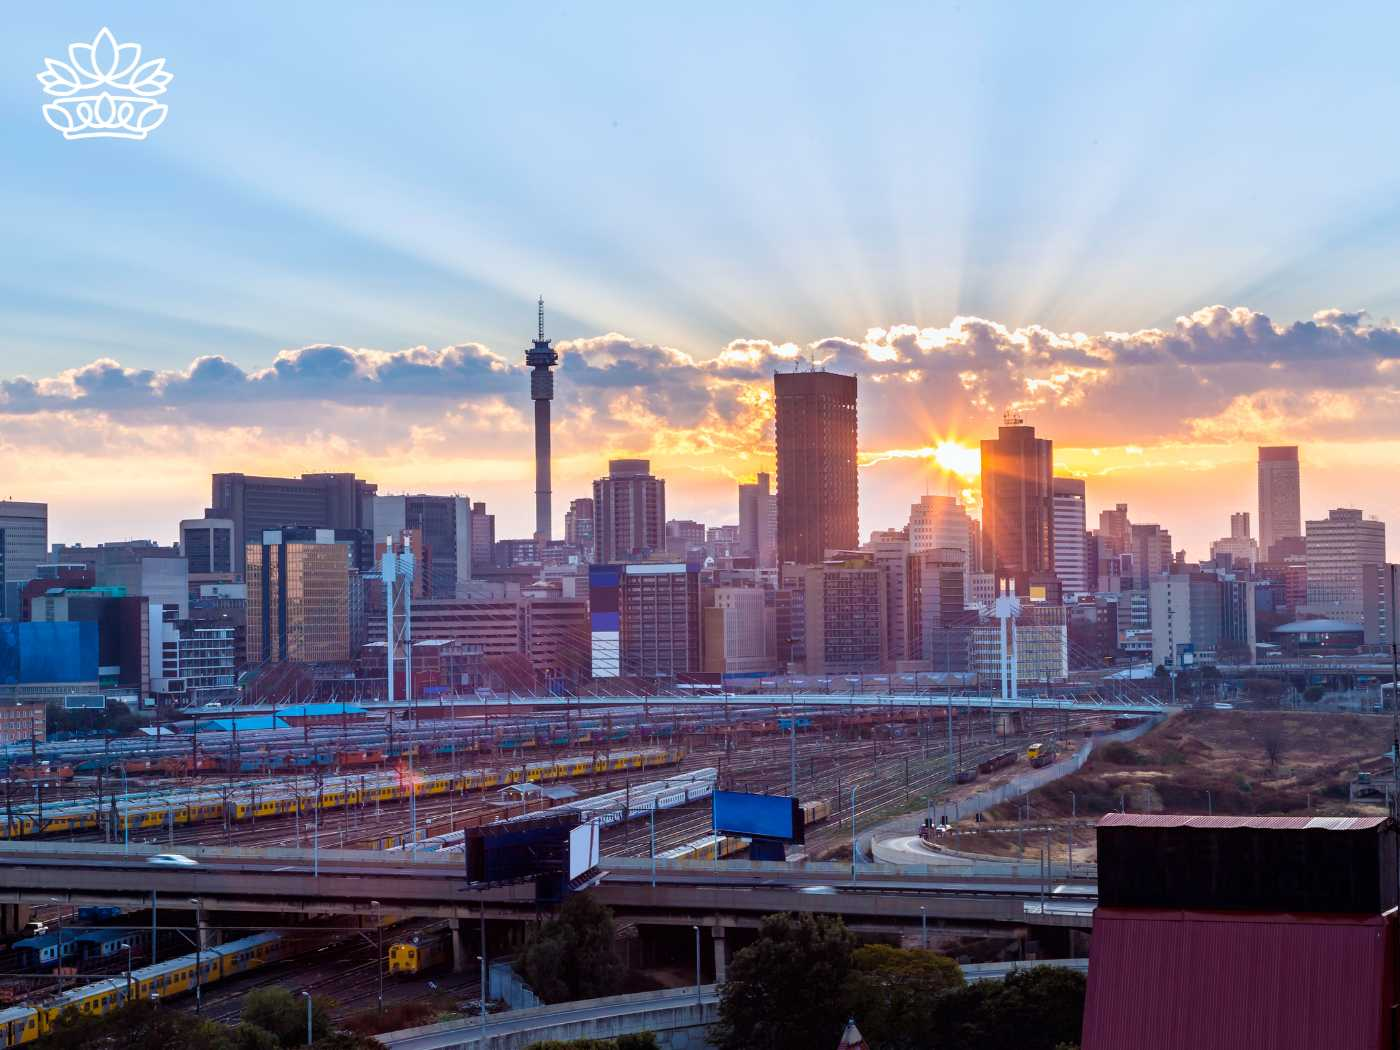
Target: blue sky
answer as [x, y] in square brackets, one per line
[390, 176]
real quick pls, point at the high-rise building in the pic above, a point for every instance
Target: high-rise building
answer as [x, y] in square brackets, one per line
[1239, 547]
[739, 634]
[1195, 613]
[818, 485]
[1151, 547]
[892, 559]
[443, 523]
[845, 610]
[660, 624]
[578, 527]
[541, 359]
[24, 542]
[208, 544]
[1380, 588]
[319, 501]
[684, 536]
[299, 596]
[629, 507]
[758, 522]
[938, 616]
[1070, 550]
[1018, 530]
[940, 522]
[1280, 507]
[1337, 548]
[483, 534]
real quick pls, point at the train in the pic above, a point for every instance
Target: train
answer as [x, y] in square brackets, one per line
[25, 1024]
[423, 952]
[814, 811]
[270, 798]
[711, 847]
[996, 762]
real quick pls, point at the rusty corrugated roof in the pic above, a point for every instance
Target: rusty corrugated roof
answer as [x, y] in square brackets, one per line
[1169, 980]
[1186, 820]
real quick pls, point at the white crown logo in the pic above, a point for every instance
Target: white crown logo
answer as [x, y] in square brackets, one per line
[105, 91]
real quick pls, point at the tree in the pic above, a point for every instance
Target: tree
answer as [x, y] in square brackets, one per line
[893, 993]
[573, 956]
[1035, 1009]
[635, 1041]
[251, 1037]
[786, 990]
[136, 1026]
[347, 1041]
[1272, 739]
[283, 1014]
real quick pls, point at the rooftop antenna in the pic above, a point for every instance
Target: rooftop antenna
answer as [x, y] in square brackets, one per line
[541, 305]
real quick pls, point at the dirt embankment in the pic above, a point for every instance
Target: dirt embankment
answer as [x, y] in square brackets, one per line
[1230, 762]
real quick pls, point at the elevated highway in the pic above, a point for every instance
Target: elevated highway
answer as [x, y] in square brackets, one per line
[367, 882]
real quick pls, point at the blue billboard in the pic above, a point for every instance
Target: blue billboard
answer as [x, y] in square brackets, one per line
[757, 816]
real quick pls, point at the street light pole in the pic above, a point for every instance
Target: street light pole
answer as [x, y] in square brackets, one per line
[379, 927]
[923, 921]
[307, 997]
[198, 957]
[853, 831]
[59, 948]
[697, 965]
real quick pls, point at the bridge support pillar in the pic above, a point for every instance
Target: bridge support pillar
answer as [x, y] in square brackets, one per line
[721, 952]
[459, 956]
[206, 935]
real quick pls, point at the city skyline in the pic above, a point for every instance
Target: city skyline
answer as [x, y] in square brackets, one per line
[265, 285]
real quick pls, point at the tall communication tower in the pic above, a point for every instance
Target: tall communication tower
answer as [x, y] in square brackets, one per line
[541, 358]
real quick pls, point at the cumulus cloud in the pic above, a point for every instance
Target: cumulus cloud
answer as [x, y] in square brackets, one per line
[1216, 374]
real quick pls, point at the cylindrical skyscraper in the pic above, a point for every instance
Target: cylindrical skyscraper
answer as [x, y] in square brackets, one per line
[541, 358]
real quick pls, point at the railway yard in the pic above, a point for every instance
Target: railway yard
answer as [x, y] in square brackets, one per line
[645, 775]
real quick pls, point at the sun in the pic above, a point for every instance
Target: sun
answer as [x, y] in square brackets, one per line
[954, 458]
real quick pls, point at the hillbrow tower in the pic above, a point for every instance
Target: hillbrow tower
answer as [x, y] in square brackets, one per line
[541, 359]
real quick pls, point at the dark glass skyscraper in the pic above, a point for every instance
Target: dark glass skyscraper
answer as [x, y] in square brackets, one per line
[1018, 522]
[818, 488]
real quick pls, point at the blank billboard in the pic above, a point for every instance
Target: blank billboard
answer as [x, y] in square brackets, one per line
[583, 849]
[510, 852]
[757, 816]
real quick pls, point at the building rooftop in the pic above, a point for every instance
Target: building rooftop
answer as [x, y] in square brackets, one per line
[1320, 627]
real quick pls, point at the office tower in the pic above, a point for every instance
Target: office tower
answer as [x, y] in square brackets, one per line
[299, 583]
[1151, 548]
[1040, 642]
[541, 359]
[1380, 587]
[578, 527]
[659, 621]
[629, 507]
[483, 533]
[319, 501]
[818, 487]
[1239, 547]
[845, 630]
[24, 543]
[684, 536]
[739, 634]
[1070, 519]
[1337, 548]
[1018, 531]
[443, 543]
[758, 522]
[938, 617]
[1196, 613]
[1280, 513]
[892, 559]
[940, 522]
[208, 545]
[1115, 533]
